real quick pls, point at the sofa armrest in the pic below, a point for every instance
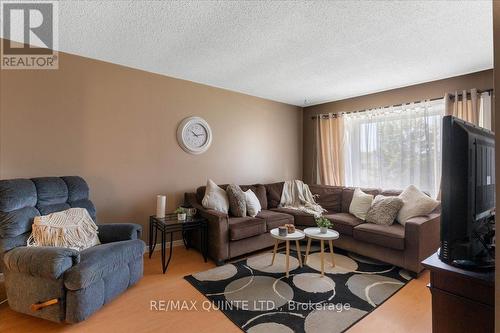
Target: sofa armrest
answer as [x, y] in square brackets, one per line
[422, 237]
[44, 261]
[218, 229]
[116, 232]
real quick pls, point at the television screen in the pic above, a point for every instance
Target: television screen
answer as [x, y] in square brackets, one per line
[468, 194]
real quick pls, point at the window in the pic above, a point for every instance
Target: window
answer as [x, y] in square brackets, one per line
[393, 147]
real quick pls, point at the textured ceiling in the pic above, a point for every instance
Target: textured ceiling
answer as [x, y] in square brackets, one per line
[294, 52]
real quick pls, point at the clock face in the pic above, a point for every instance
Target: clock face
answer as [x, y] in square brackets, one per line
[194, 135]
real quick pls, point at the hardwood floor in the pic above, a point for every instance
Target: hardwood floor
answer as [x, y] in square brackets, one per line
[407, 311]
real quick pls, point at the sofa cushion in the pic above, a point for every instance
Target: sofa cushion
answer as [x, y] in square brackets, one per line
[252, 203]
[260, 192]
[258, 189]
[244, 227]
[391, 193]
[273, 192]
[343, 222]
[275, 219]
[16, 194]
[300, 218]
[391, 236]
[415, 203]
[328, 197]
[348, 192]
[384, 210]
[237, 200]
[215, 198]
[360, 204]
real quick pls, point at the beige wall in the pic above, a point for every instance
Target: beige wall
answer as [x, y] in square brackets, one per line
[479, 80]
[116, 127]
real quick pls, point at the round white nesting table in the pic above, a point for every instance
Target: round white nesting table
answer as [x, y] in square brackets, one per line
[296, 236]
[330, 236]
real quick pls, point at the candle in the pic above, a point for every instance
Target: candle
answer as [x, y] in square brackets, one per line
[161, 202]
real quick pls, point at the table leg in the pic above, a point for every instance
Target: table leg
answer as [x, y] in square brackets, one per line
[299, 255]
[308, 248]
[150, 237]
[331, 252]
[322, 257]
[155, 231]
[205, 242]
[169, 253]
[163, 245]
[184, 239]
[274, 251]
[287, 256]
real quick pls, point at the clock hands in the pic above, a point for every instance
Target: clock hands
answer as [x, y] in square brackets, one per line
[197, 135]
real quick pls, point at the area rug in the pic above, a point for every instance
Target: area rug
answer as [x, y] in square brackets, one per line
[258, 297]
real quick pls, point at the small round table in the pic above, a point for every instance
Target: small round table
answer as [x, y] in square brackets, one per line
[330, 235]
[296, 236]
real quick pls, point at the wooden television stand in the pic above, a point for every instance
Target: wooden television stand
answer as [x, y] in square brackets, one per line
[462, 300]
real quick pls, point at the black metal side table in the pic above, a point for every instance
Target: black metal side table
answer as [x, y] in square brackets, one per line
[170, 224]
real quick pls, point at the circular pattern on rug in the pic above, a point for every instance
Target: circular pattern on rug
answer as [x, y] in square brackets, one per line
[257, 293]
[313, 283]
[331, 320]
[270, 327]
[343, 264]
[373, 288]
[217, 273]
[366, 260]
[262, 263]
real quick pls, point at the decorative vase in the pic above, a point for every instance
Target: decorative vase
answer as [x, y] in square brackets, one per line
[323, 230]
[181, 216]
[161, 202]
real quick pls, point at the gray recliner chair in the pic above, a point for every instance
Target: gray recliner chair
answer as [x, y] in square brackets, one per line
[61, 284]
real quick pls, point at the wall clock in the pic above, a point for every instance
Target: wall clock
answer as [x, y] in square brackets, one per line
[194, 135]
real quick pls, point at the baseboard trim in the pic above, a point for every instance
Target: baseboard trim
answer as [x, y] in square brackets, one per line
[175, 243]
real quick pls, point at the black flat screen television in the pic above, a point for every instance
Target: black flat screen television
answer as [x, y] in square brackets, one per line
[468, 195]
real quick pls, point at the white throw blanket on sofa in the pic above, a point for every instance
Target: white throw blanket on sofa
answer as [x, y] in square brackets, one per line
[297, 195]
[72, 228]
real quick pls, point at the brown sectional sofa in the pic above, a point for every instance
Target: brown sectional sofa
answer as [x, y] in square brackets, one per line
[403, 246]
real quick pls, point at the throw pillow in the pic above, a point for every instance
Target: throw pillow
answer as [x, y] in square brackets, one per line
[253, 203]
[415, 203]
[360, 204]
[384, 210]
[215, 198]
[237, 200]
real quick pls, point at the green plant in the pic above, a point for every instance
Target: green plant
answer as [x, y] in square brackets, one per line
[180, 210]
[323, 222]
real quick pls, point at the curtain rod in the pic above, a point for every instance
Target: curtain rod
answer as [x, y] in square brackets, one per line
[396, 105]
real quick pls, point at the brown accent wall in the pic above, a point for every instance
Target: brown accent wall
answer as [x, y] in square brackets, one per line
[116, 127]
[479, 80]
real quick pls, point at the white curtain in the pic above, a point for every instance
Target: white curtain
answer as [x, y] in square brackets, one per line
[394, 147]
[485, 110]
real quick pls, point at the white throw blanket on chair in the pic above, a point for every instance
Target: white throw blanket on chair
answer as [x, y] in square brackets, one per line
[72, 228]
[297, 195]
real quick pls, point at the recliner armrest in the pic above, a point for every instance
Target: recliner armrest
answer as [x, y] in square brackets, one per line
[44, 261]
[116, 232]
[101, 261]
